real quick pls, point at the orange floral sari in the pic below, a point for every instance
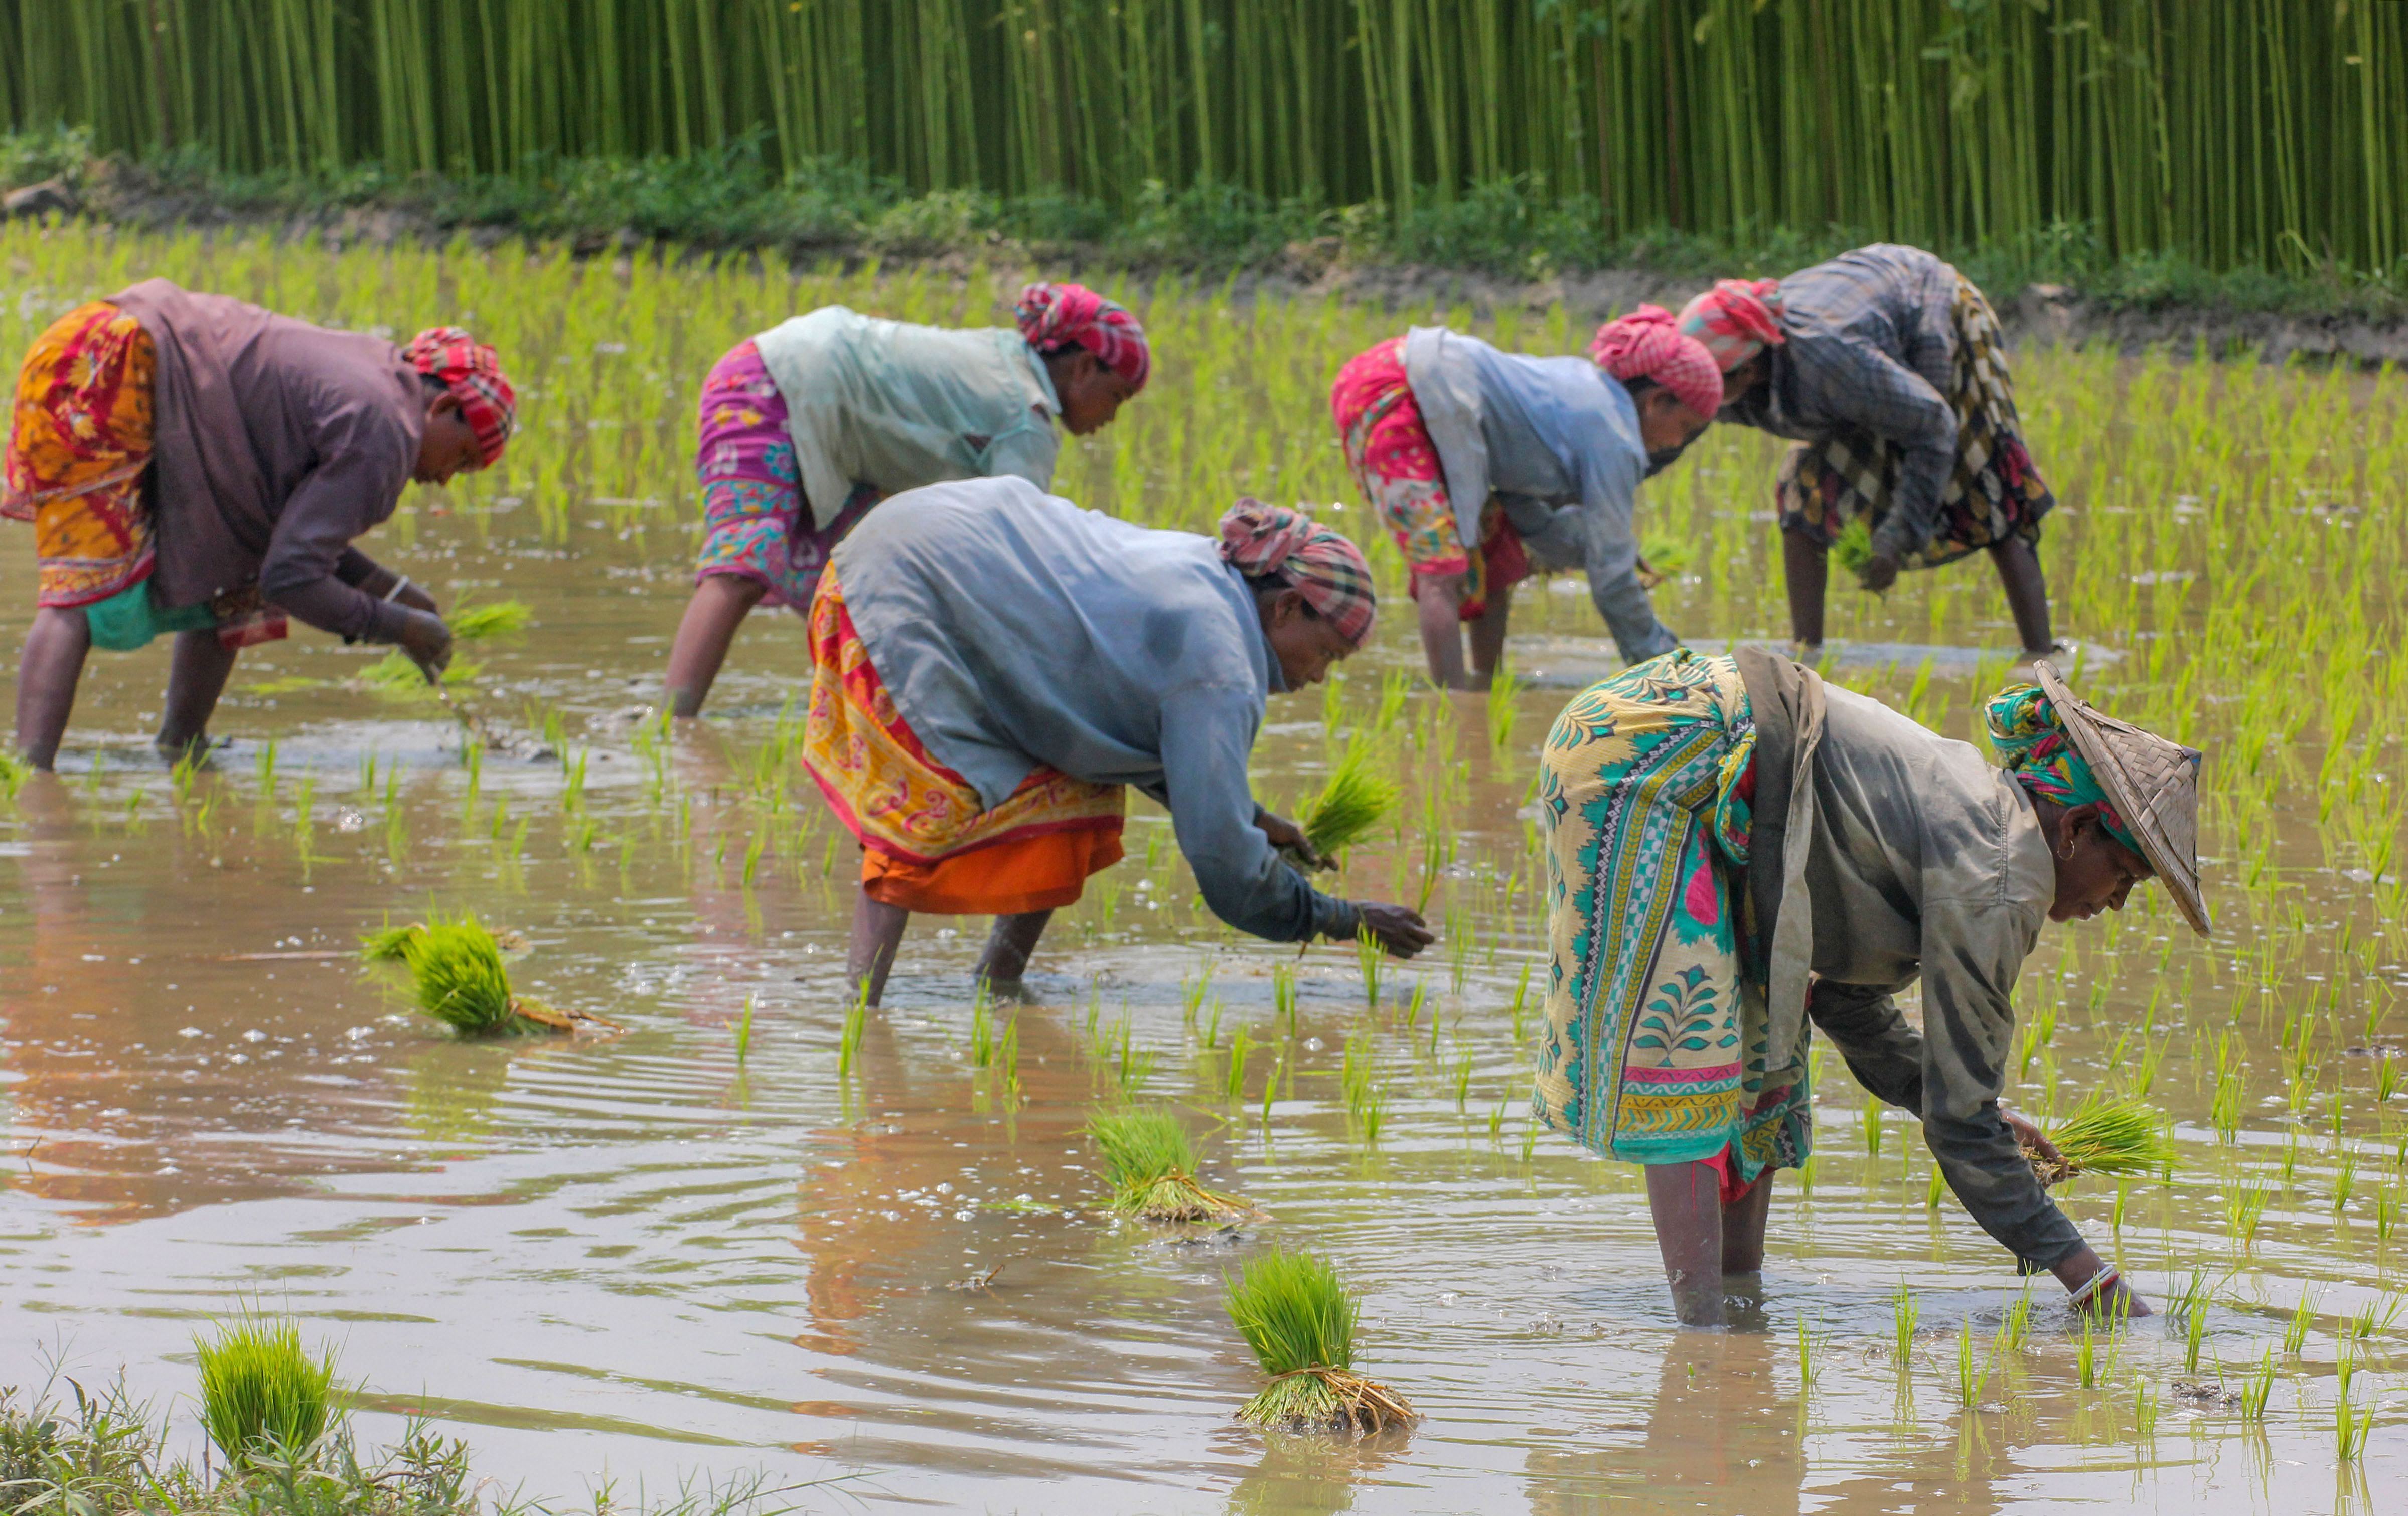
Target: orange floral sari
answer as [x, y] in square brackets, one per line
[78, 444]
[928, 843]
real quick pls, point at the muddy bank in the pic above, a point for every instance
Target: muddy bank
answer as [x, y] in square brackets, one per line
[1330, 268]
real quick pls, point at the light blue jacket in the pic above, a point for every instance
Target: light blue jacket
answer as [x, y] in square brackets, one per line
[897, 405]
[1556, 441]
[1012, 629]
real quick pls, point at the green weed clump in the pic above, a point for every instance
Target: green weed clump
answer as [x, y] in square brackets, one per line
[1150, 1165]
[1351, 806]
[2107, 1135]
[456, 971]
[261, 1396]
[473, 623]
[1301, 1321]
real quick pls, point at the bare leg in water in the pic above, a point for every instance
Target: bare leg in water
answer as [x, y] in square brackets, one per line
[1488, 634]
[720, 603]
[1007, 947]
[878, 933]
[196, 676]
[47, 674]
[2027, 587]
[1806, 566]
[1702, 1238]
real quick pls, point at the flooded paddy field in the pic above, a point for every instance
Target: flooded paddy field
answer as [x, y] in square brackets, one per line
[874, 1253]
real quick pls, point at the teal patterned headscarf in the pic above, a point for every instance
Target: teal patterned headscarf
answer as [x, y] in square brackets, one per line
[2033, 743]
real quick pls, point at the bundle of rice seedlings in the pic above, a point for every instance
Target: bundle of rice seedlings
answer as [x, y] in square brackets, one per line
[1301, 1322]
[471, 623]
[1151, 1166]
[1853, 549]
[397, 674]
[455, 967]
[262, 1396]
[1354, 801]
[2108, 1134]
[1662, 558]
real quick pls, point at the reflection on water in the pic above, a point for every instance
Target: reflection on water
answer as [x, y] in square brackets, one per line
[640, 1254]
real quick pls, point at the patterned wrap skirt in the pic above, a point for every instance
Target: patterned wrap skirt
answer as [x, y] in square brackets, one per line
[929, 842]
[1993, 494]
[1654, 1050]
[1396, 467]
[756, 525]
[78, 442]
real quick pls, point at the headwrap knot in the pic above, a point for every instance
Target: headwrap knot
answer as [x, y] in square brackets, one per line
[2031, 742]
[1646, 345]
[1259, 539]
[1054, 315]
[1736, 320]
[471, 371]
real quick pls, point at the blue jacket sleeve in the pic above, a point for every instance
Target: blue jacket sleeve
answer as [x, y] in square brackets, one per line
[1610, 551]
[1208, 735]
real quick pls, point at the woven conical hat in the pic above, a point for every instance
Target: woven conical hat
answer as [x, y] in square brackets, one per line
[2152, 783]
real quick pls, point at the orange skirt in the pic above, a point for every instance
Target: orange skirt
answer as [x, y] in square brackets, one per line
[928, 843]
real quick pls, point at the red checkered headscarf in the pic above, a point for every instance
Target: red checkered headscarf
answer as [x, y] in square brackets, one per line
[1736, 320]
[1646, 345]
[1259, 539]
[1054, 316]
[472, 373]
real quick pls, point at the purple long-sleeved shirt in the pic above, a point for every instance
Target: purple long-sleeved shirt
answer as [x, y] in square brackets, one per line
[275, 443]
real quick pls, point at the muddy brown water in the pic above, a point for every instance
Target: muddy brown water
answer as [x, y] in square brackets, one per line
[647, 1259]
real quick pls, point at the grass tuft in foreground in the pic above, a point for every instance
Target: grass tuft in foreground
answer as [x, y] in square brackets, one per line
[2107, 1135]
[263, 1397]
[105, 1453]
[1301, 1321]
[1354, 801]
[1150, 1165]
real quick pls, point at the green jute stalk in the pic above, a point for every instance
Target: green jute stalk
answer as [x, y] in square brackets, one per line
[1301, 1321]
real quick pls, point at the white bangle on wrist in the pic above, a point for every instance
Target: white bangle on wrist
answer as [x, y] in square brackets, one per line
[400, 582]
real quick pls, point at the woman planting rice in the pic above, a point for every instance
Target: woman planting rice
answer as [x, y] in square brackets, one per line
[993, 664]
[1734, 848]
[1885, 364]
[196, 464]
[812, 423]
[1484, 465]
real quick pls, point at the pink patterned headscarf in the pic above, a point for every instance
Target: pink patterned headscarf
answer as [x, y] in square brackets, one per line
[1736, 320]
[1646, 345]
[1053, 316]
[1257, 539]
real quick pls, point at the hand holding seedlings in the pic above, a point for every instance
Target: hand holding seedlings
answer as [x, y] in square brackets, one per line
[1398, 929]
[428, 642]
[2106, 1136]
[1293, 842]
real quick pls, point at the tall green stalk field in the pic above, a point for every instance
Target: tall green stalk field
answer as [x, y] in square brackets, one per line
[2258, 132]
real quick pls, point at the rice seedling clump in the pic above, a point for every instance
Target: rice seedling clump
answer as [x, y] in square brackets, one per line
[1853, 549]
[1301, 1322]
[1150, 1165]
[261, 1395]
[2106, 1136]
[1354, 801]
[456, 972]
[471, 623]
